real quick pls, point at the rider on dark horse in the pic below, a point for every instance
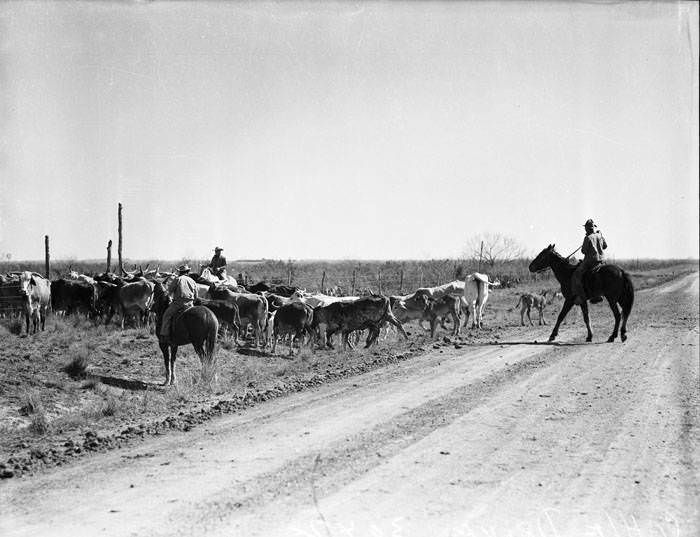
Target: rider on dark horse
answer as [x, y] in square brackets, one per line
[183, 290]
[592, 249]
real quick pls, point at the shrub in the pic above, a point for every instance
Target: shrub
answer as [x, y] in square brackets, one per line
[77, 367]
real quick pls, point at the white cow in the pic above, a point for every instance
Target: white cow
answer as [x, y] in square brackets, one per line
[318, 300]
[476, 293]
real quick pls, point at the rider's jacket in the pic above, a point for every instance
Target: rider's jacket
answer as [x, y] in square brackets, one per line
[592, 248]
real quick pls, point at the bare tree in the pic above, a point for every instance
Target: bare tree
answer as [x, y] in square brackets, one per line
[497, 248]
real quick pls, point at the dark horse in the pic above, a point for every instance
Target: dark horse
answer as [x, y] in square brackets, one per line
[609, 281]
[196, 325]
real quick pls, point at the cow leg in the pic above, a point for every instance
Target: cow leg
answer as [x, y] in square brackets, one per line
[433, 326]
[566, 307]
[529, 318]
[616, 313]
[372, 336]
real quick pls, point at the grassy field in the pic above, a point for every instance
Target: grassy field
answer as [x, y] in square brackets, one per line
[78, 379]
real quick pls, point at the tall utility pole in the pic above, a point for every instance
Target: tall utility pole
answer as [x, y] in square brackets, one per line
[119, 245]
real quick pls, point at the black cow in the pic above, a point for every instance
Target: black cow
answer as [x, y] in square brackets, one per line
[226, 312]
[71, 296]
[294, 319]
[369, 312]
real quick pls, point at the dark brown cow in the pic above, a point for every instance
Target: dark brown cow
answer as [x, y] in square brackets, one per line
[295, 320]
[252, 310]
[369, 312]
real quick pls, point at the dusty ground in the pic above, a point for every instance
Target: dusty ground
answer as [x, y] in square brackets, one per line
[513, 438]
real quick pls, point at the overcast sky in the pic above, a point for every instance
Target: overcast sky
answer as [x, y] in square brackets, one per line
[347, 130]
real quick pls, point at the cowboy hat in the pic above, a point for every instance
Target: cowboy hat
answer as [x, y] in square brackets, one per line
[218, 249]
[183, 268]
[589, 223]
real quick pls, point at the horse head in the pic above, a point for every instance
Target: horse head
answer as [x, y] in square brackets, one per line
[543, 259]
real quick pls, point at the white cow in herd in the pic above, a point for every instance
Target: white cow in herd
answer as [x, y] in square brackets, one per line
[476, 293]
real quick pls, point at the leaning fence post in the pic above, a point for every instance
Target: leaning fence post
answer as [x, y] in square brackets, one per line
[47, 257]
[353, 282]
[323, 281]
[401, 283]
[380, 281]
[109, 255]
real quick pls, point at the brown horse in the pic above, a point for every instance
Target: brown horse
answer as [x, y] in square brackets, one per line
[609, 281]
[196, 325]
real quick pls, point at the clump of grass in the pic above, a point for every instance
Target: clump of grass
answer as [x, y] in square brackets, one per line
[110, 406]
[12, 326]
[31, 404]
[39, 424]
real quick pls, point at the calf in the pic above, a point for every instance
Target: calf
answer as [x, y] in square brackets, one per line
[294, 319]
[528, 301]
[36, 293]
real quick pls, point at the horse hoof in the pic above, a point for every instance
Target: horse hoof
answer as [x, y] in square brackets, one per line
[589, 339]
[623, 337]
[551, 338]
[611, 339]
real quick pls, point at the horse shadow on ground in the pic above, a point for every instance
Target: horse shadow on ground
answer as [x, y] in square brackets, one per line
[545, 343]
[127, 384]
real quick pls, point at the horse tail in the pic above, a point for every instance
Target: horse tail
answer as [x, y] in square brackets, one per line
[210, 342]
[627, 297]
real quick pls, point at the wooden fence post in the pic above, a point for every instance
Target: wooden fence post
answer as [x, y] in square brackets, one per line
[481, 252]
[119, 244]
[421, 277]
[289, 274]
[47, 257]
[109, 255]
[353, 282]
[323, 281]
[401, 283]
[380, 281]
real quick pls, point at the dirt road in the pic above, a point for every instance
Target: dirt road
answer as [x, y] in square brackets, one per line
[512, 439]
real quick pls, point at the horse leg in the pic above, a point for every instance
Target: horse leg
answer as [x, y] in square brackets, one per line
[616, 313]
[528, 317]
[291, 343]
[584, 310]
[173, 355]
[566, 307]
[166, 358]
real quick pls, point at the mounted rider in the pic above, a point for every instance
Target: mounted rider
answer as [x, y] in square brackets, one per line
[183, 291]
[218, 264]
[592, 249]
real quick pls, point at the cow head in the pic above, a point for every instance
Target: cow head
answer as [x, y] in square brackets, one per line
[26, 282]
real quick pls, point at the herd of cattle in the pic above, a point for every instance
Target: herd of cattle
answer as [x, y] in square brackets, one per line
[272, 311]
